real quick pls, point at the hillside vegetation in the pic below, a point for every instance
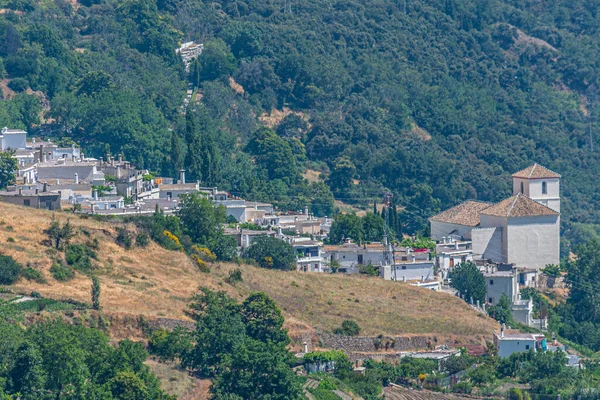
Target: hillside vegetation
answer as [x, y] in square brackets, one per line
[155, 282]
[437, 101]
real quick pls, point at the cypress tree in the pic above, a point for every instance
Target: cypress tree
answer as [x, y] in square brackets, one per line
[95, 293]
[375, 208]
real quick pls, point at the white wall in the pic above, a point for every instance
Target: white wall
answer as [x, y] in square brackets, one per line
[487, 244]
[412, 271]
[534, 242]
[14, 141]
[533, 190]
[490, 221]
[496, 286]
[508, 347]
[443, 229]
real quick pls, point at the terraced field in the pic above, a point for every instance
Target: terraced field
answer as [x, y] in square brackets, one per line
[397, 393]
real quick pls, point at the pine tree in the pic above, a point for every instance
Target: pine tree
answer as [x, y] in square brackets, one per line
[95, 293]
[375, 208]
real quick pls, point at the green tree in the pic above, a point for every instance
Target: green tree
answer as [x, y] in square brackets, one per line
[272, 253]
[127, 385]
[220, 330]
[263, 319]
[273, 154]
[27, 374]
[95, 293]
[257, 370]
[200, 218]
[580, 276]
[342, 174]
[469, 281]
[349, 328]
[10, 270]
[373, 227]
[216, 60]
[502, 311]
[346, 226]
[8, 169]
[94, 82]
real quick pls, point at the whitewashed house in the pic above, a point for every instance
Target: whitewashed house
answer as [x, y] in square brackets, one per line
[509, 343]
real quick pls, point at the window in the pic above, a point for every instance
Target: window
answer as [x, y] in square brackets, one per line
[170, 195]
[360, 259]
[491, 281]
[522, 188]
[526, 347]
[544, 188]
[491, 301]
[404, 258]
[404, 267]
[27, 202]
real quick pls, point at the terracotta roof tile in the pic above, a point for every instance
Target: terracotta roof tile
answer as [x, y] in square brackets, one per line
[535, 171]
[518, 206]
[466, 213]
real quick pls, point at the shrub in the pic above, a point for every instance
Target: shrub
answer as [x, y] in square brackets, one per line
[32, 274]
[80, 256]
[142, 239]
[169, 345]
[172, 240]
[61, 273]
[124, 238]
[234, 276]
[35, 295]
[10, 239]
[462, 387]
[348, 328]
[327, 384]
[18, 84]
[10, 270]
[202, 266]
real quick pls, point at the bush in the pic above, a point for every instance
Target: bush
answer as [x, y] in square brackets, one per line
[169, 345]
[142, 239]
[18, 84]
[348, 328]
[234, 277]
[323, 394]
[79, 256]
[32, 274]
[61, 273]
[272, 253]
[10, 270]
[327, 384]
[124, 238]
[462, 387]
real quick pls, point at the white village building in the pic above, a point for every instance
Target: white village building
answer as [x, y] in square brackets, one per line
[522, 229]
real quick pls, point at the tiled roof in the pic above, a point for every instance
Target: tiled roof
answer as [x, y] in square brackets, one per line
[535, 171]
[518, 206]
[466, 213]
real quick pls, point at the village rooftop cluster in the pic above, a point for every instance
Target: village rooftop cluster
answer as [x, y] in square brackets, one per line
[510, 240]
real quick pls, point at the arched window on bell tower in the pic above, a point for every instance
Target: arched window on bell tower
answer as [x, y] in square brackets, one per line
[522, 188]
[544, 188]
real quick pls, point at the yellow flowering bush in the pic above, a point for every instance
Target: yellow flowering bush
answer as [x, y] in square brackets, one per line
[174, 239]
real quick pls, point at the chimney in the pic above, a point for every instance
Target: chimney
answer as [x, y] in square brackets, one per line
[20, 191]
[306, 211]
[112, 161]
[33, 140]
[305, 347]
[76, 178]
[45, 189]
[455, 245]
[120, 158]
[43, 155]
[95, 194]
[182, 176]
[404, 278]
[279, 232]
[422, 278]
[101, 160]
[37, 191]
[443, 239]
[413, 258]
[118, 171]
[502, 328]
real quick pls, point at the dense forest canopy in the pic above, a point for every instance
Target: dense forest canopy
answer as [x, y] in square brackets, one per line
[436, 101]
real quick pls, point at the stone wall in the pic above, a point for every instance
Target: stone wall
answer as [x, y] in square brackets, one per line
[365, 344]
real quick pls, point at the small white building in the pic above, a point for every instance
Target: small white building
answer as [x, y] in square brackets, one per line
[451, 253]
[351, 256]
[13, 139]
[510, 343]
[308, 254]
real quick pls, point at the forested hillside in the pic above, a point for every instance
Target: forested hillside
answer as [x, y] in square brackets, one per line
[437, 101]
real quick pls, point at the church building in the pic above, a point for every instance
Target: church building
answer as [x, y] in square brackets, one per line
[523, 229]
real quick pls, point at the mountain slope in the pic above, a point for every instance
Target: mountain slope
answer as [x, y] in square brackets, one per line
[154, 282]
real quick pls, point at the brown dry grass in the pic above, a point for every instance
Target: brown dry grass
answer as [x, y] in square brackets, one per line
[379, 307]
[155, 282]
[312, 176]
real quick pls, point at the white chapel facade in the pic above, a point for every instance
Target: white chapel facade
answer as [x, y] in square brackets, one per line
[523, 229]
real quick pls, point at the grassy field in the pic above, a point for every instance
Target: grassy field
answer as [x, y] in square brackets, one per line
[155, 282]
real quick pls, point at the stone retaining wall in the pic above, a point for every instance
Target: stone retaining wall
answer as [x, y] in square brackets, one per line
[365, 344]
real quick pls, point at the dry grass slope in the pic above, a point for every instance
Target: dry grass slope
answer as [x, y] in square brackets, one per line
[155, 282]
